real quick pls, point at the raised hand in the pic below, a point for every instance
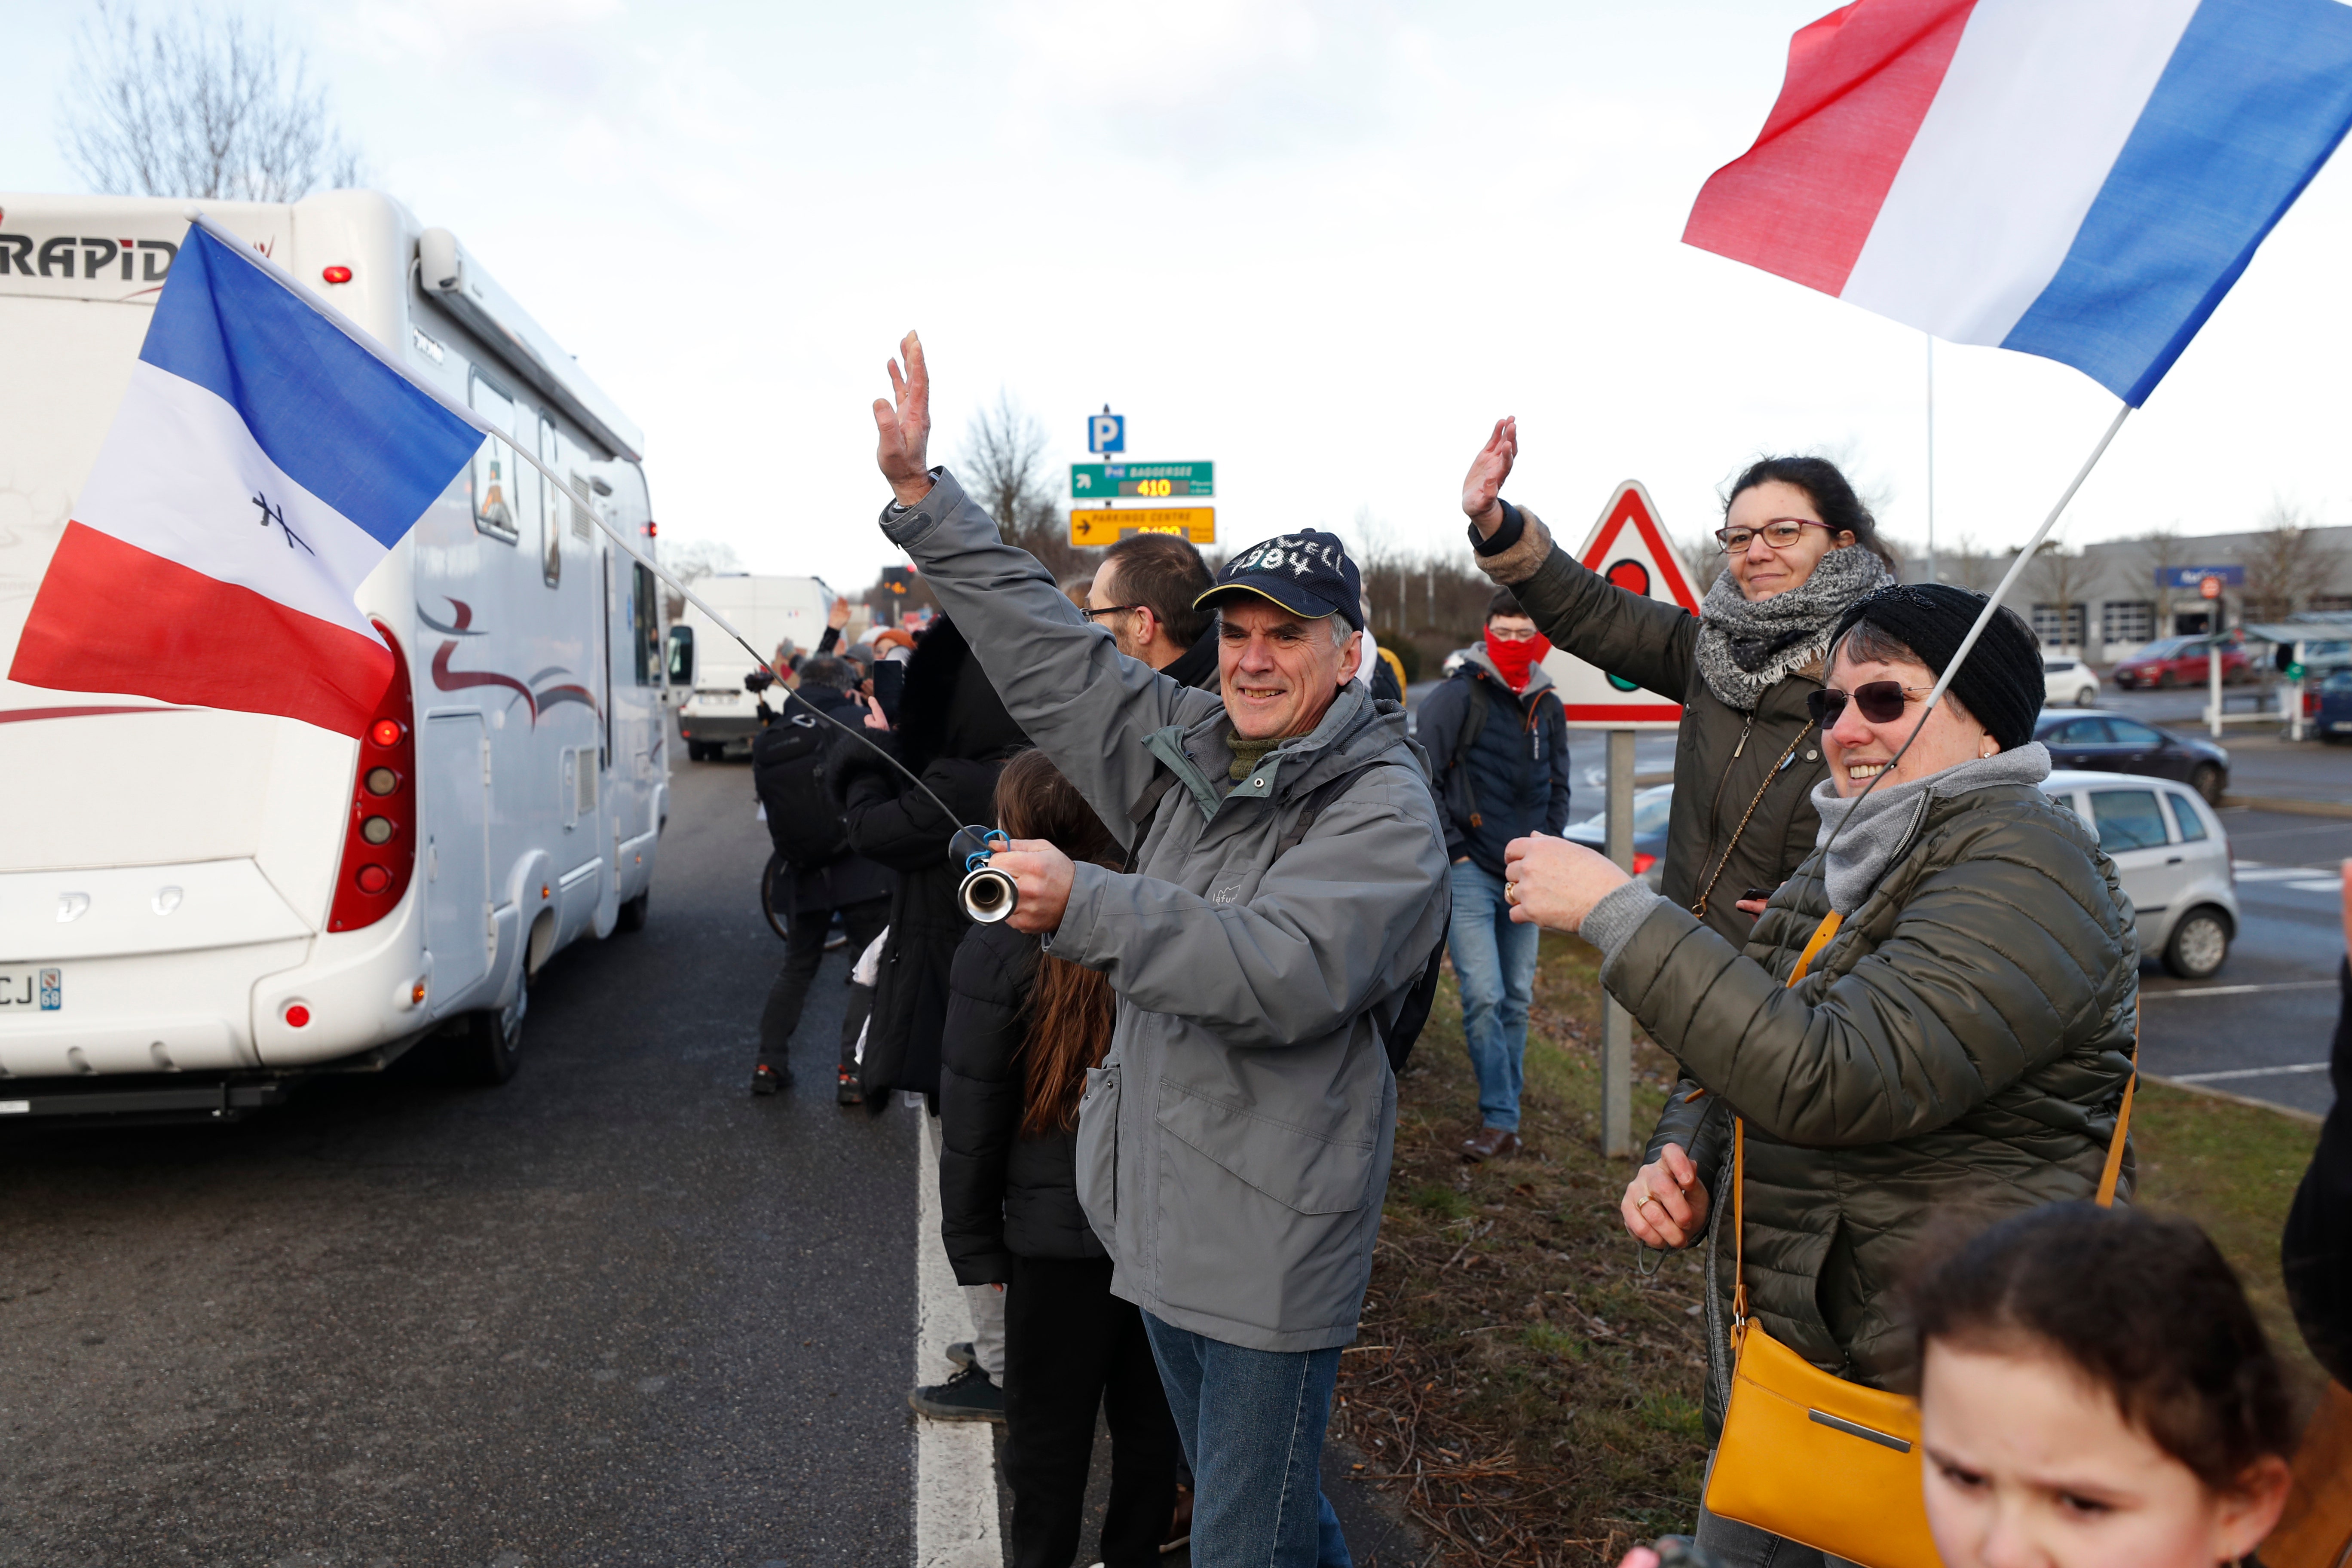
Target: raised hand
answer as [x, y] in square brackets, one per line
[839, 617]
[906, 428]
[1483, 483]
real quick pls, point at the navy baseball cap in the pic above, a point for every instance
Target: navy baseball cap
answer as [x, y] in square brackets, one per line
[1307, 574]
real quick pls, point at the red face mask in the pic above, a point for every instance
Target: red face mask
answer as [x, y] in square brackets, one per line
[1514, 660]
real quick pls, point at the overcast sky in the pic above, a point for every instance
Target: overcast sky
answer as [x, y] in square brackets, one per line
[1323, 245]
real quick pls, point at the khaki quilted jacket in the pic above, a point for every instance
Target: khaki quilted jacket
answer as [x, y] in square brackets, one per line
[1963, 1043]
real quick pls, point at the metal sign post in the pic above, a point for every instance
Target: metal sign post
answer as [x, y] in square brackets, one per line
[1616, 1024]
[1627, 547]
[2210, 588]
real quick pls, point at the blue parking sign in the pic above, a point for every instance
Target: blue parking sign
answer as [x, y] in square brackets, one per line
[1106, 432]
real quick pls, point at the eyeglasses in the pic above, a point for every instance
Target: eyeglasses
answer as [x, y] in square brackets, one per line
[1881, 701]
[1779, 533]
[1499, 635]
[1112, 610]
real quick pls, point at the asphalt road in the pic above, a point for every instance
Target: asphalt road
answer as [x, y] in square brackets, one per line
[613, 1312]
[2261, 1027]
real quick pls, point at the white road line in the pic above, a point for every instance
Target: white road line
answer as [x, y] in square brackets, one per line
[955, 1461]
[2238, 990]
[2329, 885]
[2246, 1072]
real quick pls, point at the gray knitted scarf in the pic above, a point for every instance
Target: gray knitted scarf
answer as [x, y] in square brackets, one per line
[1885, 818]
[1747, 646]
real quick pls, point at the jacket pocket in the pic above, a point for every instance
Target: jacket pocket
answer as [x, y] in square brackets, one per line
[1098, 1154]
[1297, 1169]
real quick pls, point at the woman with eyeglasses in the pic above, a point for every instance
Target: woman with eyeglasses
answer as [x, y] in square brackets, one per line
[1962, 1033]
[1799, 547]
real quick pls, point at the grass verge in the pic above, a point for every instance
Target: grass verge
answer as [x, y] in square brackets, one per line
[1527, 1394]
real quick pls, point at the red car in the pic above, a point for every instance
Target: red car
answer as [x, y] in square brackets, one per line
[2181, 661]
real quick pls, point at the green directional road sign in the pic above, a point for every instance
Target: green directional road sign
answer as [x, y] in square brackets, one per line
[1153, 481]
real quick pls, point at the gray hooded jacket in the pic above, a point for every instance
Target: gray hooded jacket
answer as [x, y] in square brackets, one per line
[1234, 1147]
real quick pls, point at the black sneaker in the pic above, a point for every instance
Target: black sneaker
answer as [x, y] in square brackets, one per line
[969, 1396]
[769, 1077]
[848, 1093]
[961, 1354]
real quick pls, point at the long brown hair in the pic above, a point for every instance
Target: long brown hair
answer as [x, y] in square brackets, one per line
[1070, 1007]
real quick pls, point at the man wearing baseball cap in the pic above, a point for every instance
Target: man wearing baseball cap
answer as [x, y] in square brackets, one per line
[1286, 887]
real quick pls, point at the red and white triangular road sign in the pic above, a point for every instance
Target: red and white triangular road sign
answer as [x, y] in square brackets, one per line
[1629, 548]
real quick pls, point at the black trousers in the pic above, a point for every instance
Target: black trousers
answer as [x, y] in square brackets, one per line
[804, 953]
[1069, 1347]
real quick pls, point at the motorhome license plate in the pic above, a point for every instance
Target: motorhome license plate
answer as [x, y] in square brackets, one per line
[31, 990]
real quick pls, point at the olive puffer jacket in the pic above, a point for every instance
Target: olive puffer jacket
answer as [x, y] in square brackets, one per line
[1000, 1193]
[1961, 1043]
[1724, 759]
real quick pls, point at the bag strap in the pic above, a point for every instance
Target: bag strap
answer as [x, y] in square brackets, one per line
[1699, 908]
[2113, 1171]
[1474, 724]
[1145, 806]
[1814, 946]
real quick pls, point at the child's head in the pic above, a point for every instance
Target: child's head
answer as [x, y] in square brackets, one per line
[2096, 1392]
[1035, 801]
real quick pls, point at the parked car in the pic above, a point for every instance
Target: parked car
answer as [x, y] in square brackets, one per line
[2112, 744]
[1650, 809]
[2173, 856]
[2183, 661]
[2332, 714]
[2068, 683]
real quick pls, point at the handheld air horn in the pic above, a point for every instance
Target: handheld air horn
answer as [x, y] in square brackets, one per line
[987, 894]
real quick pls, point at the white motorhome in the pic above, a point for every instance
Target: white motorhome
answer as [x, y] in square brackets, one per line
[707, 666]
[196, 905]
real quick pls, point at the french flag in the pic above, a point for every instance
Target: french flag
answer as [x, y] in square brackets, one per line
[266, 458]
[2079, 179]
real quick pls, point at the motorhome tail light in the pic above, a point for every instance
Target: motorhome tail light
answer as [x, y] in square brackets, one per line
[337, 275]
[380, 827]
[297, 1016]
[1641, 863]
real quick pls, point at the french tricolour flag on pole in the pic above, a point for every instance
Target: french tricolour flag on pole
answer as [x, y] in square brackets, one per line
[2079, 179]
[265, 460]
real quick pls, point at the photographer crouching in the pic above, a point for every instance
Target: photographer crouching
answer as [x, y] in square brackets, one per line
[1288, 886]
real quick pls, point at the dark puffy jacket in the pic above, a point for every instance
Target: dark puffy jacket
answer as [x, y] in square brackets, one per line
[1000, 1193]
[1963, 1042]
[848, 878]
[1515, 774]
[1724, 759]
[2317, 1246]
[955, 735]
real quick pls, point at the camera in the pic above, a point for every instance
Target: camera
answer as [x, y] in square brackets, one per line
[986, 894]
[759, 680]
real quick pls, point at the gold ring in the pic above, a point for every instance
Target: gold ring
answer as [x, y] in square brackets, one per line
[1510, 892]
[1650, 1198]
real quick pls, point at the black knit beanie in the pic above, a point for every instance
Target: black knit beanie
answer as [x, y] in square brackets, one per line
[2001, 685]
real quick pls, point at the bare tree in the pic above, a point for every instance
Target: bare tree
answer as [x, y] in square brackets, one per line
[2161, 550]
[2285, 564]
[1964, 565]
[1005, 469]
[200, 104]
[691, 561]
[2064, 580]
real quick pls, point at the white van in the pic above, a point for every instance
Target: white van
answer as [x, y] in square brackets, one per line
[707, 667]
[196, 905]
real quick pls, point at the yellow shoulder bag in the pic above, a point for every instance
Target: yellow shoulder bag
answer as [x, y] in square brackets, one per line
[1806, 1455]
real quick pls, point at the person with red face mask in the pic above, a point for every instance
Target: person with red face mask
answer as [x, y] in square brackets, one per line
[1497, 744]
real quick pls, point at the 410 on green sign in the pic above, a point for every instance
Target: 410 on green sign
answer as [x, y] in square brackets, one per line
[1101, 482]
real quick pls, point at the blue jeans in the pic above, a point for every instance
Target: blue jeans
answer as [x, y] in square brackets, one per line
[1251, 1423]
[1495, 964]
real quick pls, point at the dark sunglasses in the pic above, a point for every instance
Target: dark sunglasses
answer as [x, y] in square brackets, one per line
[1881, 701]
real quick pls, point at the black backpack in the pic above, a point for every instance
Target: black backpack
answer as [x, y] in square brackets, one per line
[788, 772]
[1403, 1026]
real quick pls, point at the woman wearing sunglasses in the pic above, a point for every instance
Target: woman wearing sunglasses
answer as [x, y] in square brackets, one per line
[1963, 1037]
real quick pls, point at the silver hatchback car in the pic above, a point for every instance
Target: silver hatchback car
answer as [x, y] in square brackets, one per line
[2174, 857]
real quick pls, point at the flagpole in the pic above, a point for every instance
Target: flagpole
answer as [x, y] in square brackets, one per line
[472, 420]
[1984, 618]
[1931, 457]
